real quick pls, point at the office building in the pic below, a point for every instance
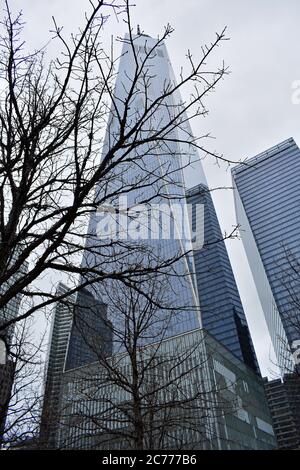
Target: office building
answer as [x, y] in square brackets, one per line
[220, 402]
[267, 200]
[6, 383]
[223, 363]
[284, 402]
[78, 334]
[7, 366]
[220, 304]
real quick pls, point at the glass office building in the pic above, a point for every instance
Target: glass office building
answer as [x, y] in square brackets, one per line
[79, 335]
[11, 310]
[154, 169]
[226, 362]
[90, 335]
[267, 200]
[209, 288]
[221, 308]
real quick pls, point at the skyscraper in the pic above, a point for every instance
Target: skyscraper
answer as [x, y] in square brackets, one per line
[153, 172]
[284, 403]
[11, 310]
[267, 201]
[79, 332]
[57, 349]
[210, 288]
[220, 304]
[108, 400]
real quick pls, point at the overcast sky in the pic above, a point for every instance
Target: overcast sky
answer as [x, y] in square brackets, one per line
[252, 108]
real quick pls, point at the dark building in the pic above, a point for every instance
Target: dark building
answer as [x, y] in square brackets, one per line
[220, 304]
[6, 383]
[79, 332]
[284, 403]
[91, 333]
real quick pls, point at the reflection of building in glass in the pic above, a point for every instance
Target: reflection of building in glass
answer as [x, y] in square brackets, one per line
[91, 333]
[71, 345]
[267, 200]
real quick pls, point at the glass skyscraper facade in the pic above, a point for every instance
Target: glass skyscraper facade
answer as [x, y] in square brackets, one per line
[210, 287]
[202, 292]
[152, 172]
[220, 304]
[267, 200]
[79, 333]
[11, 310]
[90, 335]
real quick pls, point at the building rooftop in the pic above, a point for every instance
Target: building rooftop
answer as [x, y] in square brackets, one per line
[249, 162]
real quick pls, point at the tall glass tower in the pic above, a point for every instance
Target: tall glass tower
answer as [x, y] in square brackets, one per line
[267, 200]
[165, 172]
[153, 170]
[209, 287]
[79, 333]
[221, 308]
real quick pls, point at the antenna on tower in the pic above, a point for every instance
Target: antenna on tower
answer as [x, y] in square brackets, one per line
[138, 30]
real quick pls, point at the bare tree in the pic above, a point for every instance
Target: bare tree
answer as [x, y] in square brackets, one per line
[20, 412]
[156, 393]
[52, 116]
[288, 278]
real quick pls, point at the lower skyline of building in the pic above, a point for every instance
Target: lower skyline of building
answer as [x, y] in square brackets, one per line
[228, 411]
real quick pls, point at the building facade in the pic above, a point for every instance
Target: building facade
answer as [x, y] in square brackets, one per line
[284, 403]
[193, 285]
[57, 348]
[153, 172]
[6, 383]
[220, 304]
[79, 333]
[91, 333]
[170, 169]
[267, 200]
[219, 403]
